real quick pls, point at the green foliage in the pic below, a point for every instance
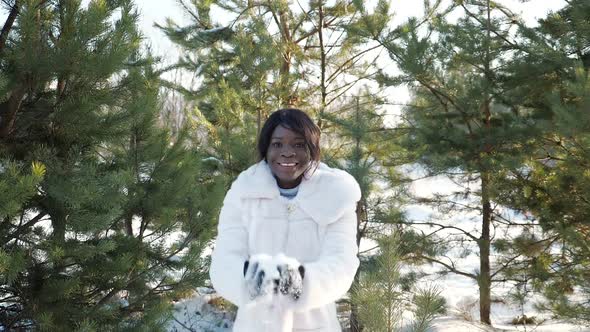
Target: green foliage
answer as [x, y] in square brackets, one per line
[17, 186]
[378, 294]
[465, 123]
[261, 57]
[104, 215]
[428, 303]
[384, 293]
[358, 142]
[552, 185]
[417, 246]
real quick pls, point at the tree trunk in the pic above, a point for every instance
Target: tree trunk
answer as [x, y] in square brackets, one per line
[8, 24]
[287, 100]
[9, 110]
[323, 65]
[484, 279]
[59, 220]
[355, 325]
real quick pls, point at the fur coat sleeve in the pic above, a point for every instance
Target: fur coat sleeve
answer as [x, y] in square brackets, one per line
[230, 252]
[329, 277]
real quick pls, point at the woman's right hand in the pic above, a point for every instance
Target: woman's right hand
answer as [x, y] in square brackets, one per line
[269, 275]
[261, 276]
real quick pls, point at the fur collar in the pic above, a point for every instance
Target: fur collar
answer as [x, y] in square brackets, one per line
[325, 194]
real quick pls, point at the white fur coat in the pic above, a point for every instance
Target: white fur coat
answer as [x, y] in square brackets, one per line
[317, 228]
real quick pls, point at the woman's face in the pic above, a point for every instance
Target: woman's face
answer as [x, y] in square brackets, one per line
[287, 156]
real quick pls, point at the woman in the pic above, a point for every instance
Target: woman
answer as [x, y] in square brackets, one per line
[286, 245]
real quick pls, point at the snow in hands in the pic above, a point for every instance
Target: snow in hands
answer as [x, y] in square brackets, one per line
[270, 276]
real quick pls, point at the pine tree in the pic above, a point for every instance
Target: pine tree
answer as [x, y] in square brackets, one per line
[378, 293]
[460, 124]
[383, 293]
[110, 226]
[261, 56]
[270, 55]
[552, 185]
[358, 142]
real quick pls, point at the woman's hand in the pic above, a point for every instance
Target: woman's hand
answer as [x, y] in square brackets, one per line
[260, 273]
[269, 275]
[291, 276]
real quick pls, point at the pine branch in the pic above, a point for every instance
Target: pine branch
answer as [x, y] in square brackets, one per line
[441, 96]
[337, 40]
[441, 227]
[450, 268]
[505, 265]
[323, 64]
[305, 36]
[183, 325]
[439, 201]
[350, 61]
[108, 296]
[21, 229]
[368, 250]
[193, 15]
[505, 221]
[277, 21]
[475, 17]
[9, 110]
[298, 24]
[315, 29]
[346, 87]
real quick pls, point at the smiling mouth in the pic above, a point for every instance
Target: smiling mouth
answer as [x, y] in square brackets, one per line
[287, 164]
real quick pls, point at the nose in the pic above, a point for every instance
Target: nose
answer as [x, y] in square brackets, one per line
[288, 152]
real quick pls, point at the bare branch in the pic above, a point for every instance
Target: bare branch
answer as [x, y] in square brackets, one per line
[450, 268]
[441, 226]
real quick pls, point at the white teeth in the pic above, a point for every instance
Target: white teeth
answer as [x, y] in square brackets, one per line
[287, 164]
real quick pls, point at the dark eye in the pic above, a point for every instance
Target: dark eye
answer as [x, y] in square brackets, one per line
[277, 144]
[300, 145]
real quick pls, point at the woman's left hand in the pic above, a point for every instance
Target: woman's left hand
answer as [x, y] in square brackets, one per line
[291, 276]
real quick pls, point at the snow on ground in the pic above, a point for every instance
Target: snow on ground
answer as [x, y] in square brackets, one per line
[454, 324]
[463, 310]
[202, 313]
